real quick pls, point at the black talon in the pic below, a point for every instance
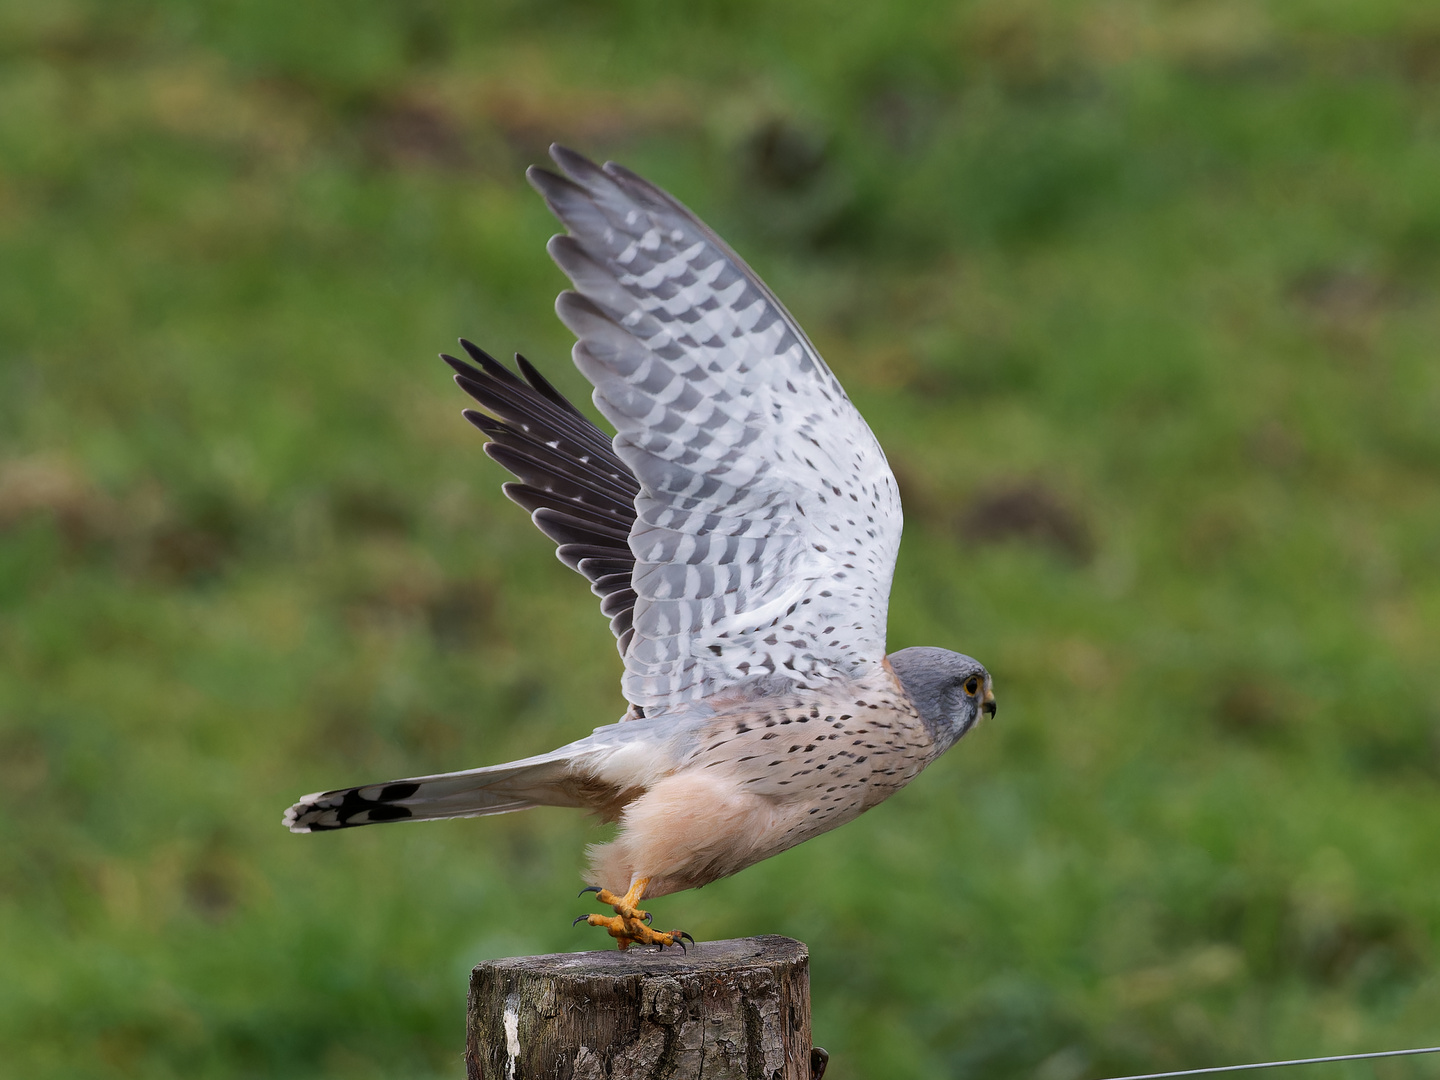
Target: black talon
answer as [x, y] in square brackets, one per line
[649, 917]
[687, 937]
[589, 888]
[578, 921]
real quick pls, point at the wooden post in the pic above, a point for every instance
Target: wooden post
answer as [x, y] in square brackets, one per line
[726, 1009]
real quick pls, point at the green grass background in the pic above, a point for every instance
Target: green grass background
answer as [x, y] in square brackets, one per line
[1140, 298]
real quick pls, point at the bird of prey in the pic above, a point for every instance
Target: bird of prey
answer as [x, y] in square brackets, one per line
[740, 530]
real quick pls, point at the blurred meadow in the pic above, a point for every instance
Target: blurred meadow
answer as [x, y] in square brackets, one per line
[1140, 296]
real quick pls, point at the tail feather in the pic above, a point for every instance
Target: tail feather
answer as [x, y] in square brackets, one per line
[498, 789]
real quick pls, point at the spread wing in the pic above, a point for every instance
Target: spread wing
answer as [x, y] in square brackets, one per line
[767, 520]
[577, 491]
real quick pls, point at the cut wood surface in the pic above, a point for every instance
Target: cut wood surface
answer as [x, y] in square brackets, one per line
[726, 1009]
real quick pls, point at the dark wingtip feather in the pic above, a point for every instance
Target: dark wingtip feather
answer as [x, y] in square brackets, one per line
[460, 367]
[543, 385]
[636, 184]
[488, 424]
[488, 364]
[578, 492]
[552, 187]
[479, 355]
[565, 528]
[573, 162]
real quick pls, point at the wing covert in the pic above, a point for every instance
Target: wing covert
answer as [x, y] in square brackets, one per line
[767, 520]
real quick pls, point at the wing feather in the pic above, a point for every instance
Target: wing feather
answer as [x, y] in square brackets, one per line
[577, 491]
[767, 520]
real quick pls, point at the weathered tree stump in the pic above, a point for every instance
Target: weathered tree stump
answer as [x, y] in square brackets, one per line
[726, 1009]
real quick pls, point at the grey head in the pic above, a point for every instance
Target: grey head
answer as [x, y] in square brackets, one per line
[949, 690]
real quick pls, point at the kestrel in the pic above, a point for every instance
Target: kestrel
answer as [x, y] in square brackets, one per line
[740, 530]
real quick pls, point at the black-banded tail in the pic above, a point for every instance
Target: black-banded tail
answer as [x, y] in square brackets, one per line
[547, 780]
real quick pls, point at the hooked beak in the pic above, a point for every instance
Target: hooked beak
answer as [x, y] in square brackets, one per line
[988, 705]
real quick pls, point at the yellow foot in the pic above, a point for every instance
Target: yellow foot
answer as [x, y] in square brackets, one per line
[629, 925]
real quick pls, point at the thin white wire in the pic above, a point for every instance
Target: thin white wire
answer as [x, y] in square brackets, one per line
[1276, 1064]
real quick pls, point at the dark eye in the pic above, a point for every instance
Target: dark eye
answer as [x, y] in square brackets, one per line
[972, 685]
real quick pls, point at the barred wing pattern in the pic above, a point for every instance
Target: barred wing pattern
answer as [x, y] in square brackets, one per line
[767, 519]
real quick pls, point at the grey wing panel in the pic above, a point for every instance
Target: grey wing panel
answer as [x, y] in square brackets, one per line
[768, 519]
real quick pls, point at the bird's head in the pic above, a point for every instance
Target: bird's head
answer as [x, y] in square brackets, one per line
[951, 691]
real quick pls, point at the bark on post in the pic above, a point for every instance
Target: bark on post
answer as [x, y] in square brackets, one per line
[727, 1009]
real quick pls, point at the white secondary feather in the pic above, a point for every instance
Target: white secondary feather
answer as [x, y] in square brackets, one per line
[768, 520]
